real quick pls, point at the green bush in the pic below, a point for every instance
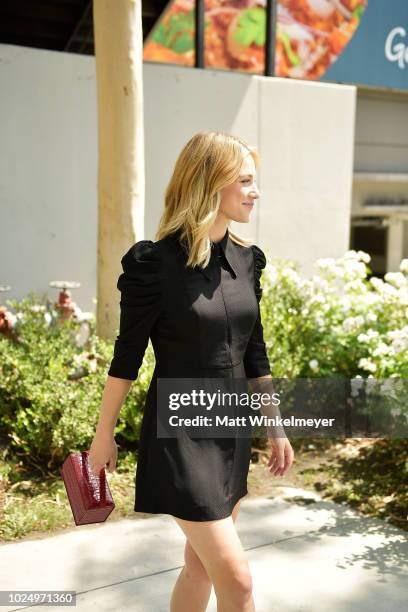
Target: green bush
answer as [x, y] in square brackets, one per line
[338, 322]
[51, 385]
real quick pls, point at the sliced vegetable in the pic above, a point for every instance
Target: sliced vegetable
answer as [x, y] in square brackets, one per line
[177, 32]
[292, 55]
[251, 26]
[358, 11]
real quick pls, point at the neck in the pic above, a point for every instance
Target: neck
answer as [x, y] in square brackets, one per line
[218, 229]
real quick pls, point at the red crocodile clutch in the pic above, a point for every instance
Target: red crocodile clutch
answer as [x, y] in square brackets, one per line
[89, 496]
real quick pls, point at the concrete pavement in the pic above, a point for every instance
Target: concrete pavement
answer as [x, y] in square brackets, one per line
[305, 554]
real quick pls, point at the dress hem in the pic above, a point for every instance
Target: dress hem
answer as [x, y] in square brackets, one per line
[198, 517]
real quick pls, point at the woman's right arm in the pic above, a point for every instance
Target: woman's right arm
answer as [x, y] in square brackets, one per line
[114, 394]
[103, 450]
[140, 285]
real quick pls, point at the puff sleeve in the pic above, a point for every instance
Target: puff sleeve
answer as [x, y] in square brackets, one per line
[140, 285]
[256, 361]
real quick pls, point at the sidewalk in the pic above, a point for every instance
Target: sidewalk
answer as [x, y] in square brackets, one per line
[305, 554]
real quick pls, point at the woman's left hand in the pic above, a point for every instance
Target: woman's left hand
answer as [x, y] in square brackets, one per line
[282, 456]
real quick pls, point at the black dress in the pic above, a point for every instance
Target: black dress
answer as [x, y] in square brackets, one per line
[202, 322]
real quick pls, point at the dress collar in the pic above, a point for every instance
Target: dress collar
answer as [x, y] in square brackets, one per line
[225, 247]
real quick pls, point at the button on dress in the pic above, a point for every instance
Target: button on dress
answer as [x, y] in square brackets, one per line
[202, 322]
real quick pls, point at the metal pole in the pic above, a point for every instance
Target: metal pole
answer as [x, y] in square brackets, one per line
[270, 38]
[199, 33]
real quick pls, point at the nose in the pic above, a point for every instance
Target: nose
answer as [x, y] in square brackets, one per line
[255, 193]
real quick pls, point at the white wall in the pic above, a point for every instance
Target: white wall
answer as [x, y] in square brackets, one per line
[381, 132]
[304, 132]
[306, 135]
[48, 201]
[47, 172]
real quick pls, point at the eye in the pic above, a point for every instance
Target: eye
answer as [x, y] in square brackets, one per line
[246, 181]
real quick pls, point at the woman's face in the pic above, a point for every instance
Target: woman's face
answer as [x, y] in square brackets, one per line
[238, 198]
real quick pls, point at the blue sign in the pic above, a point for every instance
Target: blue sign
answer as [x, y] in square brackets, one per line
[377, 54]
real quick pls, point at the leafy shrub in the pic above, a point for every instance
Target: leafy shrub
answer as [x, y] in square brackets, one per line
[51, 384]
[338, 322]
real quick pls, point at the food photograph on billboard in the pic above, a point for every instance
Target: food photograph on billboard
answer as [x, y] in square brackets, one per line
[310, 35]
[345, 41]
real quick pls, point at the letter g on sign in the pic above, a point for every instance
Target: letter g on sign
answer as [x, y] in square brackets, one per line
[396, 51]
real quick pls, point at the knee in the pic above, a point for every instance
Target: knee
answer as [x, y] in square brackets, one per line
[193, 566]
[235, 581]
[242, 581]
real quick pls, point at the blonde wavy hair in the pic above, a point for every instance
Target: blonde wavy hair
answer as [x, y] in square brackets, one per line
[208, 162]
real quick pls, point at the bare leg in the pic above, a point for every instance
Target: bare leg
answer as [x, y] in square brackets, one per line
[214, 555]
[193, 586]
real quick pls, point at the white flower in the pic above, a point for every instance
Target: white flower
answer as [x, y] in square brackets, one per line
[398, 333]
[320, 283]
[366, 364]
[369, 335]
[369, 298]
[352, 323]
[47, 317]
[318, 299]
[357, 255]
[395, 278]
[291, 275]
[377, 283]
[382, 349]
[325, 262]
[364, 256]
[395, 411]
[345, 303]
[404, 266]
[272, 273]
[314, 365]
[82, 335]
[12, 318]
[354, 267]
[92, 365]
[37, 308]
[354, 285]
[320, 322]
[399, 338]
[390, 290]
[351, 254]
[371, 317]
[403, 296]
[81, 316]
[399, 345]
[372, 333]
[339, 271]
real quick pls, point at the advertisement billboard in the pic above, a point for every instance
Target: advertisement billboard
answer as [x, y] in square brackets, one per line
[348, 41]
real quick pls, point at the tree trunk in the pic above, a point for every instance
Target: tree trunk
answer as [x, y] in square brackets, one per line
[119, 81]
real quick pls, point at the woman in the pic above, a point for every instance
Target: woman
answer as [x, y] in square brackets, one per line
[195, 292]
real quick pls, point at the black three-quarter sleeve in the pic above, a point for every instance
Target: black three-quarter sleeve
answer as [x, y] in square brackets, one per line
[140, 285]
[256, 361]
